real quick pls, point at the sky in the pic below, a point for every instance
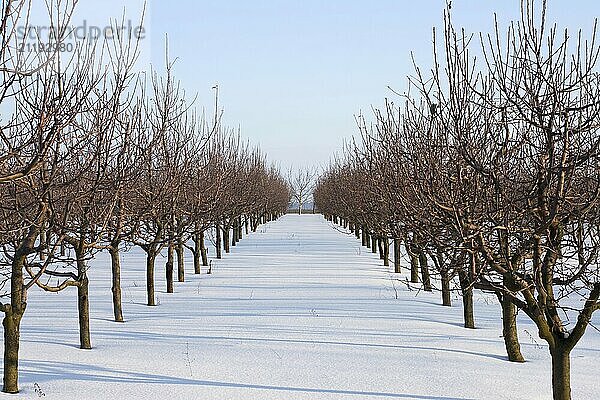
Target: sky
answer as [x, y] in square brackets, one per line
[293, 74]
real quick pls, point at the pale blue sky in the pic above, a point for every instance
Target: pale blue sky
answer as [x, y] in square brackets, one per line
[293, 74]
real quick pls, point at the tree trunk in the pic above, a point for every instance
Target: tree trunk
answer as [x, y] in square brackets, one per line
[83, 300]
[83, 306]
[218, 240]
[196, 253]
[115, 261]
[397, 264]
[509, 330]
[169, 266]
[234, 234]
[425, 272]
[386, 252]
[13, 315]
[226, 239]
[180, 262]
[467, 299]
[380, 247]
[561, 372]
[246, 224]
[43, 240]
[357, 231]
[445, 277]
[373, 244]
[414, 268]
[150, 258]
[203, 251]
[11, 323]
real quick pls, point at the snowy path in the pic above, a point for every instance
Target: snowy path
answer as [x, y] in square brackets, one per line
[297, 311]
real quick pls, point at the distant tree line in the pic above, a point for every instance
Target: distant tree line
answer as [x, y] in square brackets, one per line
[95, 157]
[488, 175]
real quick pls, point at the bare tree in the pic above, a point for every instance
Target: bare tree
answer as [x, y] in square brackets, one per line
[37, 147]
[302, 183]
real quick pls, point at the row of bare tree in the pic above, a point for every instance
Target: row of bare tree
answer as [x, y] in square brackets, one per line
[488, 174]
[96, 157]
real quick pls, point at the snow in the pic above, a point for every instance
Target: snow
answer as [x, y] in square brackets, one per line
[297, 310]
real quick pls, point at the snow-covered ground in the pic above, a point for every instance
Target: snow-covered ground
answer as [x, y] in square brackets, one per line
[298, 310]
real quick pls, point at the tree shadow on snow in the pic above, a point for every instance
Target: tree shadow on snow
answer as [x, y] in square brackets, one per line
[44, 371]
